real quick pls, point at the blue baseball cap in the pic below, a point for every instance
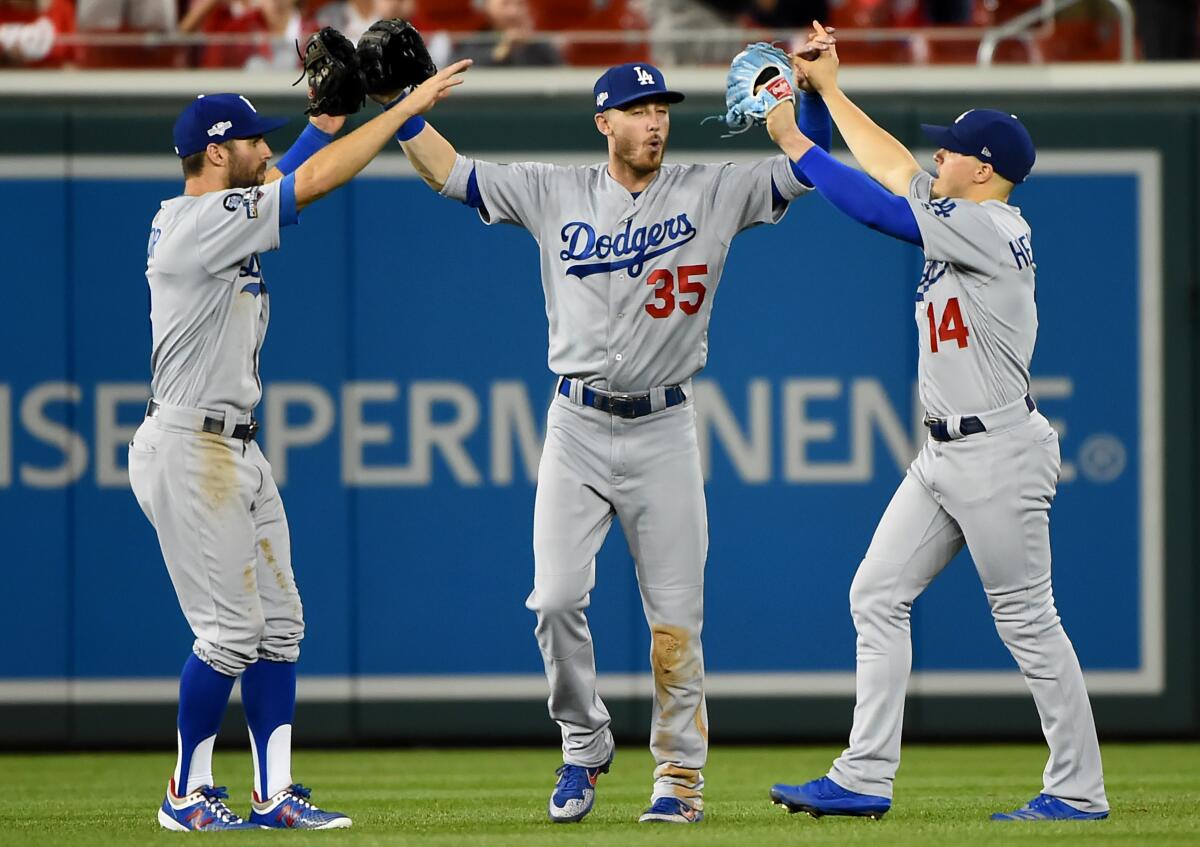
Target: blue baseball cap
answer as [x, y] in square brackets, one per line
[213, 118]
[997, 138]
[625, 84]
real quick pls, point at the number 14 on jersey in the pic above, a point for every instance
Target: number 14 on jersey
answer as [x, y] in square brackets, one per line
[950, 328]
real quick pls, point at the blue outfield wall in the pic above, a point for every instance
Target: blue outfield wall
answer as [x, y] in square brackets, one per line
[405, 394]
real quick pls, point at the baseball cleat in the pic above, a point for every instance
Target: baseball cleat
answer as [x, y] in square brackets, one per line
[203, 810]
[825, 797]
[291, 809]
[671, 810]
[575, 792]
[1046, 808]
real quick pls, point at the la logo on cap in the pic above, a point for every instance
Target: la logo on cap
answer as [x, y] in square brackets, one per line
[644, 77]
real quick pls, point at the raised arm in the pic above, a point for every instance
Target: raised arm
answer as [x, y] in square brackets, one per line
[338, 163]
[431, 155]
[847, 189]
[316, 136]
[881, 155]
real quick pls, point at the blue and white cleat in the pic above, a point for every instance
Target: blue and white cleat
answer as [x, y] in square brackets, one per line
[575, 792]
[825, 797]
[1046, 808]
[671, 810]
[202, 810]
[291, 809]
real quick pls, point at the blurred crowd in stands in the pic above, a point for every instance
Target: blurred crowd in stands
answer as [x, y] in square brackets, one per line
[258, 34]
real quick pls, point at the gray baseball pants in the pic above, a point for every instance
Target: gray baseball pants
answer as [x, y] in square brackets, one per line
[646, 472]
[224, 538]
[991, 491]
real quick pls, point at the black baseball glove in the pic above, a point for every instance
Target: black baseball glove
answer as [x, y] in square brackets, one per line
[335, 81]
[393, 57]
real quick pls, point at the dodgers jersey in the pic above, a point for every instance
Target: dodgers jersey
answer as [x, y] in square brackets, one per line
[208, 304]
[629, 281]
[976, 314]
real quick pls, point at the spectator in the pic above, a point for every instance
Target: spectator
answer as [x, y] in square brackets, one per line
[352, 17]
[437, 43]
[29, 30]
[112, 17]
[271, 29]
[126, 15]
[509, 39]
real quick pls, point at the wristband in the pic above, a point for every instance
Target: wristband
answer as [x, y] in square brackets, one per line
[308, 143]
[411, 127]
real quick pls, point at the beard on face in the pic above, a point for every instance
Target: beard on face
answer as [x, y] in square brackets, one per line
[246, 171]
[638, 157]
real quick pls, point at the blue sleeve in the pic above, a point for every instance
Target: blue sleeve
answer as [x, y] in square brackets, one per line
[776, 197]
[308, 143]
[288, 214]
[812, 117]
[473, 199]
[860, 197]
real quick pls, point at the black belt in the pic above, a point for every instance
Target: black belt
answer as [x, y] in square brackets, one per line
[242, 432]
[622, 405]
[969, 425]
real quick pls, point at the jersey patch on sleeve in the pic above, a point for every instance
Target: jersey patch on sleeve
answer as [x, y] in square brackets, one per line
[942, 208]
[247, 200]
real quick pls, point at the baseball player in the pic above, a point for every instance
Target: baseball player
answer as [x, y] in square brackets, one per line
[194, 466]
[987, 474]
[632, 252]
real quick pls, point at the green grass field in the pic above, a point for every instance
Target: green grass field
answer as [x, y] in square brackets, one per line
[497, 797]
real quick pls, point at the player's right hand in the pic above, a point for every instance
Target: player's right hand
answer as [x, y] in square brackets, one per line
[436, 88]
[819, 71]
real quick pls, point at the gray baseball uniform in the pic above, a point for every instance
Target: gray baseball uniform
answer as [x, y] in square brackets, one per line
[991, 490]
[210, 496]
[629, 284]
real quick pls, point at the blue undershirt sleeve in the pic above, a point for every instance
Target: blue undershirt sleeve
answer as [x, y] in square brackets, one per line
[473, 199]
[812, 117]
[860, 197]
[288, 214]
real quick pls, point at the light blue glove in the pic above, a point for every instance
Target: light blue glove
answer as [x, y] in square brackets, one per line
[759, 63]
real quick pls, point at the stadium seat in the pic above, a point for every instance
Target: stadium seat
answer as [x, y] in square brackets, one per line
[585, 16]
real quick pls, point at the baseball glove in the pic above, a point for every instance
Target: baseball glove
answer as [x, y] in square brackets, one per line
[393, 57]
[759, 64]
[335, 81]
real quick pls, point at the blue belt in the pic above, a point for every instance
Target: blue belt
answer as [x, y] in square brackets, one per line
[969, 425]
[622, 405]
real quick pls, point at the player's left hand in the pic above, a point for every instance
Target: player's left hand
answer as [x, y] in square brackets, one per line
[335, 82]
[393, 58]
[329, 124]
[810, 50]
[820, 72]
[759, 80]
[437, 87]
[781, 121]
